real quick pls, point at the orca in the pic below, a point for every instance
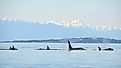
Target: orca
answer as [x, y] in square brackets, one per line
[11, 48]
[70, 47]
[48, 48]
[107, 49]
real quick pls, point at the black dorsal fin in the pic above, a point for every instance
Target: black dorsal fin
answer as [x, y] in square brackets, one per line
[48, 48]
[69, 44]
[99, 48]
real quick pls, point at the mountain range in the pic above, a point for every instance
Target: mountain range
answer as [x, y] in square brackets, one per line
[23, 30]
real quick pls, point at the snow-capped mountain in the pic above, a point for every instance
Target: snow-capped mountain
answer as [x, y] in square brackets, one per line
[17, 29]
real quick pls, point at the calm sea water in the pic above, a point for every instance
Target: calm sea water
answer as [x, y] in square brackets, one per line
[28, 57]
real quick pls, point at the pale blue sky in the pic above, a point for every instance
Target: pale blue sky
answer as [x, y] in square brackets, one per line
[93, 12]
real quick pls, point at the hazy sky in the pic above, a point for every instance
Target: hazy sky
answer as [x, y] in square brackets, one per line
[93, 12]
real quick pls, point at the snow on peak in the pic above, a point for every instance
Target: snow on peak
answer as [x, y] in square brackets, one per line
[69, 23]
[7, 19]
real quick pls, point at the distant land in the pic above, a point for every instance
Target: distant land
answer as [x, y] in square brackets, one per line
[73, 40]
[19, 29]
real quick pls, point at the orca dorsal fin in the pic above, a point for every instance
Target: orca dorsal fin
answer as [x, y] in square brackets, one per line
[69, 44]
[99, 48]
[48, 48]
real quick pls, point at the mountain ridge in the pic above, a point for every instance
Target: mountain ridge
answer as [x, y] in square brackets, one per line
[27, 30]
